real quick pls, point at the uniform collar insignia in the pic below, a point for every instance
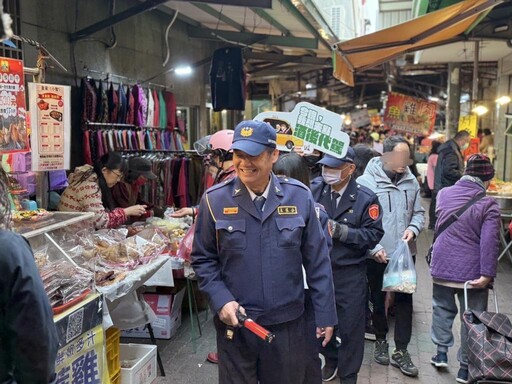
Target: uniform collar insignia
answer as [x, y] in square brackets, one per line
[352, 196]
[237, 191]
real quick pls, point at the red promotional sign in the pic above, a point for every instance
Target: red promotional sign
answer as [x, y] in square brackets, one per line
[409, 114]
[13, 128]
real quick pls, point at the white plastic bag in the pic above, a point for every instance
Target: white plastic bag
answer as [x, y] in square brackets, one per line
[400, 273]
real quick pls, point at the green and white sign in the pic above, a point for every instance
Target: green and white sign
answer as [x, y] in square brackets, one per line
[312, 127]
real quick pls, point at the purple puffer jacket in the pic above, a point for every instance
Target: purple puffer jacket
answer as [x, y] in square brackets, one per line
[468, 248]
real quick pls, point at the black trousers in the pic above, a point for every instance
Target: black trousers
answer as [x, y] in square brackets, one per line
[351, 302]
[246, 359]
[432, 211]
[313, 364]
[403, 308]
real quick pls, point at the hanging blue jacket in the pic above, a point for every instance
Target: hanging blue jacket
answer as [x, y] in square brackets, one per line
[240, 254]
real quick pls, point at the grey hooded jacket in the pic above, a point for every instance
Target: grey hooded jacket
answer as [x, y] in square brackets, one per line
[400, 202]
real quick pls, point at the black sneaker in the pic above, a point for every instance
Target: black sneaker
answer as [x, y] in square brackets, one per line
[440, 360]
[401, 359]
[381, 352]
[329, 370]
[462, 376]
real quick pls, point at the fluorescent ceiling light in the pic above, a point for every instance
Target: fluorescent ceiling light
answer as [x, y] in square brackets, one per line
[433, 98]
[503, 100]
[501, 28]
[182, 71]
[480, 110]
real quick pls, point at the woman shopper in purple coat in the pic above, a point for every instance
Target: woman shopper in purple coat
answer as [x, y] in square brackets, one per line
[467, 250]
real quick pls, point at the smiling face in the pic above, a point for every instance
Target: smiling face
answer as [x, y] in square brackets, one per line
[254, 171]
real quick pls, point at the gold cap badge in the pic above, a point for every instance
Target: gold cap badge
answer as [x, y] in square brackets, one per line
[246, 132]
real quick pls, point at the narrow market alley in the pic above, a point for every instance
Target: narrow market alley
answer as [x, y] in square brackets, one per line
[184, 366]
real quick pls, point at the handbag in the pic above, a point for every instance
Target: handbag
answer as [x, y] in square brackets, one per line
[453, 218]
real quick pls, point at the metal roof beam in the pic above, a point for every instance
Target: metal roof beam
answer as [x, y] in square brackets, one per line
[246, 38]
[300, 17]
[272, 57]
[110, 21]
[218, 15]
[273, 22]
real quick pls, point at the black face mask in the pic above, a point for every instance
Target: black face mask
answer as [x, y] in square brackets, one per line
[311, 160]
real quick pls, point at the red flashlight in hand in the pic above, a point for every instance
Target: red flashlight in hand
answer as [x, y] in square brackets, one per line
[254, 327]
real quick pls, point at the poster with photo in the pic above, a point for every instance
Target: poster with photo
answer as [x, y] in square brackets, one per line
[13, 127]
[51, 126]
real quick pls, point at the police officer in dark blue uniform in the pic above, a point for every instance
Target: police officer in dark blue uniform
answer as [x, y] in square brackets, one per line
[253, 235]
[356, 228]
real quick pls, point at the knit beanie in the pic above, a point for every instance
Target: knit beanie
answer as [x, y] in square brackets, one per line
[480, 166]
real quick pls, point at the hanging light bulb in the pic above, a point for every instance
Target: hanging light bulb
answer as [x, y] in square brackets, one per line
[503, 100]
[480, 110]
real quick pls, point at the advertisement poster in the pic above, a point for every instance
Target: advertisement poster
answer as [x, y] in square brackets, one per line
[13, 129]
[81, 357]
[309, 127]
[51, 126]
[410, 114]
[469, 123]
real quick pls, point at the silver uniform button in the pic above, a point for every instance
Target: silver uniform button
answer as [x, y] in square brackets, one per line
[230, 228]
[345, 220]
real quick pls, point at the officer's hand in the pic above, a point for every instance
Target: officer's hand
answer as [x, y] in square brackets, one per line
[227, 314]
[326, 333]
[183, 212]
[381, 256]
[482, 282]
[408, 235]
[334, 229]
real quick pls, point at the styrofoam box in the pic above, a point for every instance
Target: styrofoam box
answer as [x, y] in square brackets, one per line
[143, 369]
[167, 309]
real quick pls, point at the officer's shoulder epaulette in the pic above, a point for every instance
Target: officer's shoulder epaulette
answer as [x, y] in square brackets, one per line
[220, 185]
[365, 190]
[289, 180]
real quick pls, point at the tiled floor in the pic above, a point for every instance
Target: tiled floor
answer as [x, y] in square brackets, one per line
[184, 366]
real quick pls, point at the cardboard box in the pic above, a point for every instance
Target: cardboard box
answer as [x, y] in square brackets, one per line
[167, 309]
[140, 363]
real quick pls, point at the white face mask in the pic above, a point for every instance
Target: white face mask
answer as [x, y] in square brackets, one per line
[331, 176]
[464, 147]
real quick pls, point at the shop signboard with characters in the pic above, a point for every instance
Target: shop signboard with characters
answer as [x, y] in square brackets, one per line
[410, 114]
[13, 127]
[309, 127]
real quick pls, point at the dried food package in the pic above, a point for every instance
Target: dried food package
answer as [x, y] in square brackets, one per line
[400, 273]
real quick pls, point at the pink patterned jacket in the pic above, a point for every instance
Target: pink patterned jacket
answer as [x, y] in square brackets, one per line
[86, 197]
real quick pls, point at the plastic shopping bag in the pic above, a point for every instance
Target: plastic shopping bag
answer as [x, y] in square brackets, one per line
[185, 248]
[400, 273]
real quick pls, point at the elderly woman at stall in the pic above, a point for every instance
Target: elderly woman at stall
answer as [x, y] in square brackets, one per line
[90, 191]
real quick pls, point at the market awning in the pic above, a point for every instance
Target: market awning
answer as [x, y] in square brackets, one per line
[437, 28]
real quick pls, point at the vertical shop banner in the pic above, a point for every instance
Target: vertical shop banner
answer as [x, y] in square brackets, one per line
[13, 129]
[409, 114]
[81, 356]
[310, 127]
[50, 115]
[469, 123]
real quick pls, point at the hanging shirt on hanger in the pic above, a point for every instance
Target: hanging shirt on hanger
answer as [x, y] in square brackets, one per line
[113, 104]
[123, 104]
[140, 106]
[170, 107]
[156, 114]
[163, 110]
[89, 100]
[102, 106]
[151, 109]
[87, 147]
[130, 113]
[227, 79]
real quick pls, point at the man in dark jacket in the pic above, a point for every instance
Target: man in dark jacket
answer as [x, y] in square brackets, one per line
[450, 164]
[356, 227]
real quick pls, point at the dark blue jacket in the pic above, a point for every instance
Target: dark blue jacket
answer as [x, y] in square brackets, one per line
[28, 338]
[360, 211]
[256, 259]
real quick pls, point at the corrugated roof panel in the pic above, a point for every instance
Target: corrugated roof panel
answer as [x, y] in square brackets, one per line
[390, 19]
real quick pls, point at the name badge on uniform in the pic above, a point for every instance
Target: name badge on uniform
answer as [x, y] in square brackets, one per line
[287, 210]
[230, 210]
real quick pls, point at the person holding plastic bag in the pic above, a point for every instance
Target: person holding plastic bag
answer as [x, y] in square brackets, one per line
[400, 273]
[466, 250]
[403, 219]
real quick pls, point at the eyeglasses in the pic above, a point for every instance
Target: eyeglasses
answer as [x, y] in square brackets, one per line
[119, 175]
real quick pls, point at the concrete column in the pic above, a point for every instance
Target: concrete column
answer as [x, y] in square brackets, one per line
[453, 102]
